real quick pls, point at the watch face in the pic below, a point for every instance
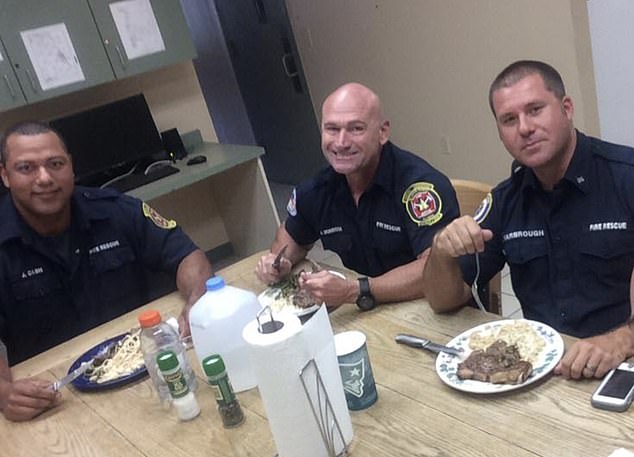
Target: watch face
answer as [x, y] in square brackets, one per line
[366, 302]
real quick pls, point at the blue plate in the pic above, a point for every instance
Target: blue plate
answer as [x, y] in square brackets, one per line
[85, 384]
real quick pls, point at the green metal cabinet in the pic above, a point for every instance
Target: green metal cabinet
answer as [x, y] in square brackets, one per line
[66, 53]
[153, 50]
[10, 91]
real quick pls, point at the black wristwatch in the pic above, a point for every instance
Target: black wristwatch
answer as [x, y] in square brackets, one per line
[365, 300]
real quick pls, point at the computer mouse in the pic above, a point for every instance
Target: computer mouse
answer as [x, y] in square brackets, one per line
[196, 160]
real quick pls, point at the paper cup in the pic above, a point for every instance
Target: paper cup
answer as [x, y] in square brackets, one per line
[355, 369]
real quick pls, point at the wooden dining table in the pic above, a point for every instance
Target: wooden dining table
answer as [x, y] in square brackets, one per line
[416, 413]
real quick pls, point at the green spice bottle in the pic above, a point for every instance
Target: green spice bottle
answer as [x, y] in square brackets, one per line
[228, 405]
[184, 400]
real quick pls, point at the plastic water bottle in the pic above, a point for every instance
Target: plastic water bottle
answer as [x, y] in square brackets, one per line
[156, 337]
[216, 321]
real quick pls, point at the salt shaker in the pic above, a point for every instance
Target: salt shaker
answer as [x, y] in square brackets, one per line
[183, 399]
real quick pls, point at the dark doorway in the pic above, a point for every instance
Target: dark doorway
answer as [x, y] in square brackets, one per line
[272, 89]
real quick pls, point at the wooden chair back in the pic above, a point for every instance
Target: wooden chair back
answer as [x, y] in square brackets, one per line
[470, 194]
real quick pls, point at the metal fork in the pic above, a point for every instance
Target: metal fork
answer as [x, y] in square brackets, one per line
[474, 284]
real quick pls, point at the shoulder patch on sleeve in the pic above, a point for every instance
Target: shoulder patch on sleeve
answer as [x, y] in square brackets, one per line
[291, 206]
[423, 204]
[483, 210]
[155, 217]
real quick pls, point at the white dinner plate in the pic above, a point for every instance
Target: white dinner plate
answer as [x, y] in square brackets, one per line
[447, 365]
[271, 297]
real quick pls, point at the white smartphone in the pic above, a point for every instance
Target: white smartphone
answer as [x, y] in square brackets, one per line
[616, 391]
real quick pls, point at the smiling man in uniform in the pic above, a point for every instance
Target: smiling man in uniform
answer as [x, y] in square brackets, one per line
[376, 205]
[72, 258]
[563, 222]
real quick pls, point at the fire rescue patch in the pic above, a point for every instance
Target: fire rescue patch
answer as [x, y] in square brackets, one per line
[291, 206]
[423, 204]
[155, 217]
[483, 210]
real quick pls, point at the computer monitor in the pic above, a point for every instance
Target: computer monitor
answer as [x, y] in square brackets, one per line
[106, 139]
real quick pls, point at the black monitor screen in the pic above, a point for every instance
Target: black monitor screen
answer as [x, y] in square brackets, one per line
[109, 136]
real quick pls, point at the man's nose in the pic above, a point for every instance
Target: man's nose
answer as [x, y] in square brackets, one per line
[526, 125]
[43, 174]
[343, 139]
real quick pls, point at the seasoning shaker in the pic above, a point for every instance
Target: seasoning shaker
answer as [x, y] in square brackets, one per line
[228, 405]
[183, 399]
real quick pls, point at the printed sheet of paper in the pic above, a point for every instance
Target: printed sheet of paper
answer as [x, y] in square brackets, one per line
[137, 27]
[52, 55]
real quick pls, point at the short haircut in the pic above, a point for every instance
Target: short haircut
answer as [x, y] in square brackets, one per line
[27, 128]
[522, 68]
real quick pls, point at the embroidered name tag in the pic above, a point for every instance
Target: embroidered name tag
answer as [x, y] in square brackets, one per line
[330, 230]
[600, 226]
[523, 234]
[104, 247]
[32, 272]
[388, 227]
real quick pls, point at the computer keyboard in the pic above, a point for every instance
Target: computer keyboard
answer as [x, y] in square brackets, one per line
[137, 180]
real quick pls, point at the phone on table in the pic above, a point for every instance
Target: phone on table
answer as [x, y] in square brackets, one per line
[616, 391]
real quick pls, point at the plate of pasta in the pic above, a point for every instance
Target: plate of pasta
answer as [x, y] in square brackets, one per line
[122, 364]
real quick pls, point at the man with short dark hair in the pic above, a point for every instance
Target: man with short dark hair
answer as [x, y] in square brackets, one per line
[72, 258]
[376, 205]
[563, 222]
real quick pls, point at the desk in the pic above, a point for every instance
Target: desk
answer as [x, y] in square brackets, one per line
[232, 182]
[416, 414]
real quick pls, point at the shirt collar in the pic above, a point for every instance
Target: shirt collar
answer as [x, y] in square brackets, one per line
[14, 225]
[383, 177]
[578, 172]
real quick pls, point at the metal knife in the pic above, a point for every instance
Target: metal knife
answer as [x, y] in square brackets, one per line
[423, 343]
[77, 372]
[278, 258]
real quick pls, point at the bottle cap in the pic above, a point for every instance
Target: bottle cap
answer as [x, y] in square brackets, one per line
[215, 283]
[213, 365]
[149, 318]
[167, 360]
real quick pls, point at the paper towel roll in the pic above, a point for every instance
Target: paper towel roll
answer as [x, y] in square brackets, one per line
[277, 360]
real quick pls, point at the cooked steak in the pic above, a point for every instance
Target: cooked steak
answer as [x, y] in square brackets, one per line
[498, 364]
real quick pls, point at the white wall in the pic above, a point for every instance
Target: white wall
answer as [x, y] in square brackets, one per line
[612, 36]
[432, 61]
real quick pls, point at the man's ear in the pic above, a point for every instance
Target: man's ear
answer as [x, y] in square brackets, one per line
[384, 132]
[3, 173]
[568, 107]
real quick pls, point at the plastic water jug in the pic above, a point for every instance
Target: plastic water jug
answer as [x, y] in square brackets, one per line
[216, 321]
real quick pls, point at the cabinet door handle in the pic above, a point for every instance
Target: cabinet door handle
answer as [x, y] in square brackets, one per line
[9, 86]
[32, 81]
[116, 48]
[285, 57]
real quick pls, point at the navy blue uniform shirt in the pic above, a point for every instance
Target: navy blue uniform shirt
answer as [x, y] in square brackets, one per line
[407, 202]
[53, 288]
[570, 251]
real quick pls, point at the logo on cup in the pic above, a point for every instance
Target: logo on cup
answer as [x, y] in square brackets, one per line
[354, 375]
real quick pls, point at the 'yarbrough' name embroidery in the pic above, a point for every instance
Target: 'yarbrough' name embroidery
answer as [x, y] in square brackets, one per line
[523, 234]
[388, 227]
[607, 226]
[104, 246]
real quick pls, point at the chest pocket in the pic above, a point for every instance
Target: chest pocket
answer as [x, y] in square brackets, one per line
[112, 259]
[607, 259]
[523, 252]
[339, 242]
[36, 287]
[607, 244]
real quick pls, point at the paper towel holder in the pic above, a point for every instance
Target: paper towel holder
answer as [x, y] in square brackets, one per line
[322, 414]
[270, 326]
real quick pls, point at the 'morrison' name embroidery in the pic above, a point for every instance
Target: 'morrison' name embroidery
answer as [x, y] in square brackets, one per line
[331, 230]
